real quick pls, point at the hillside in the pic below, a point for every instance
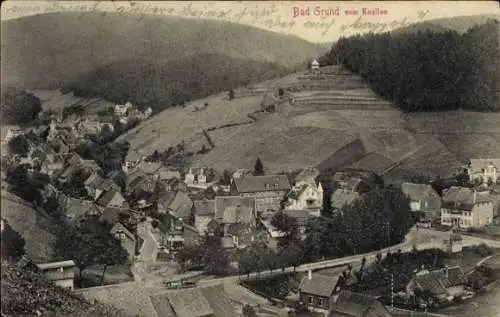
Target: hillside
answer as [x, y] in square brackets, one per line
[159, 85]
[331, 110]
[48, 50]
[460, 24]
[32, 225]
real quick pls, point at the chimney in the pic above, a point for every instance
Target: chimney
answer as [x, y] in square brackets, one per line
[309, 274]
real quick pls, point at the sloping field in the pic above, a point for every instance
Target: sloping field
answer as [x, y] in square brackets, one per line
[454, 122]
[280, 145]
[474, 145]
[35, 230]
[173, 125]
[56, 100]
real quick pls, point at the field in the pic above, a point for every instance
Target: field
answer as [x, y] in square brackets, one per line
[35, 230]
[320, 122]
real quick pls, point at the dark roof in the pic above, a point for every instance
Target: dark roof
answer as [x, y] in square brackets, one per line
[462, 198]
[249, 184]
[190, 303]
[373, 162]
[108, 196]
[437, 281]
[181, 205]
[234, 209]
[118, 227]
[355, 305]
[320, 285]
[112, 214]
[204, 207]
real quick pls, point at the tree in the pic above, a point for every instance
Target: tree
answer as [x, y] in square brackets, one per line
[19, 145]
[12, 243]
[226, 178]
[19, 107]
[258, 168]
[215, 259]
[231, 94]
[89, 244]
[287, 225]
[463, 179]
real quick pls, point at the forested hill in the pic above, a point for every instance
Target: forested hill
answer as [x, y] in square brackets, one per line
[49, 50]
[428, 71]
[160, 85]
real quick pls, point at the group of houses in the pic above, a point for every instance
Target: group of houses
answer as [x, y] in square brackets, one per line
[460, 207]
[126, 112]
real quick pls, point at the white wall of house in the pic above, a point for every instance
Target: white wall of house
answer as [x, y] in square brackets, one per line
[480, 216]
[201, 223]
[311, 194]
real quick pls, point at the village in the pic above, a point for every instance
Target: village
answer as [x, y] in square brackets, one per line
[204, 234]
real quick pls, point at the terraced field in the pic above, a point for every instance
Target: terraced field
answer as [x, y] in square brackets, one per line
[330, 111]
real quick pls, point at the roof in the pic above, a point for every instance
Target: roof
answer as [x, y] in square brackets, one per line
[118, 227]
[320, 285]
[437, 281]
[463, 198]
[478, 164]
[165, 174]
[296, 191]
[234, 209]
[133, 156]
[112, 214]
[354, 304]
[162, 305]
[181, 205]
[417, 191]
[134, 176]
[204, 207]
[315, 63]
[98, 182]
[165, 198]
[373, 162]
[219, 301]
[302, 216]
[190, 303]
[149, 167]
[55, 265]
[307, 174]
[342, 197]
[110, 198]
[250, 184]
[78, 208]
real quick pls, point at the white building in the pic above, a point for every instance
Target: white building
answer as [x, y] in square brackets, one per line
[196, 176]
[121, 110]
[466, 208]
[484, 170]
[61, 273]
[314, 65]
[306, 195]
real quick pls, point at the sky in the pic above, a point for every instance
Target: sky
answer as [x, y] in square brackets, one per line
[316, 21]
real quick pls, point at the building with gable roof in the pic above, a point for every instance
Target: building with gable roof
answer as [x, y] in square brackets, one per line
[316, 292]
[127, 239]
[196, 176]
[268, 191]
[444, 284]
[231, 210]
[111, 198]
[350, 304]
[204, 212]
[463, 207]
[484, 170]
[423, 199]
[61, 273]
[314, 65]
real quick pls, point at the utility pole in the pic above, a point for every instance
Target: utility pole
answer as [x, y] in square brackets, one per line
[392, 290]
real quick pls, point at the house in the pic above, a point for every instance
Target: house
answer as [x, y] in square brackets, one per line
[341, 198]
[466, 208]
[111, 198]
[77, 210]
[233, 210]
[212, 301]
[147, 113]
[302, 217]
[316, 292]
[305, 195]
[95, 185]
[60, 273]
[196, 176]
[314, 65]
[484, 170]
[241, 235]
[268, 191]
[166, 174]
[139, 183]
[121, 110]
[349, 304]
[178, 204]
[444, 284]
[423, 199]
[127, 239]
[176, 234]
[204, 212]
[132, 159]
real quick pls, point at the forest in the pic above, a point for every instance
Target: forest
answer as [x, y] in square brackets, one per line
[427, 70]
